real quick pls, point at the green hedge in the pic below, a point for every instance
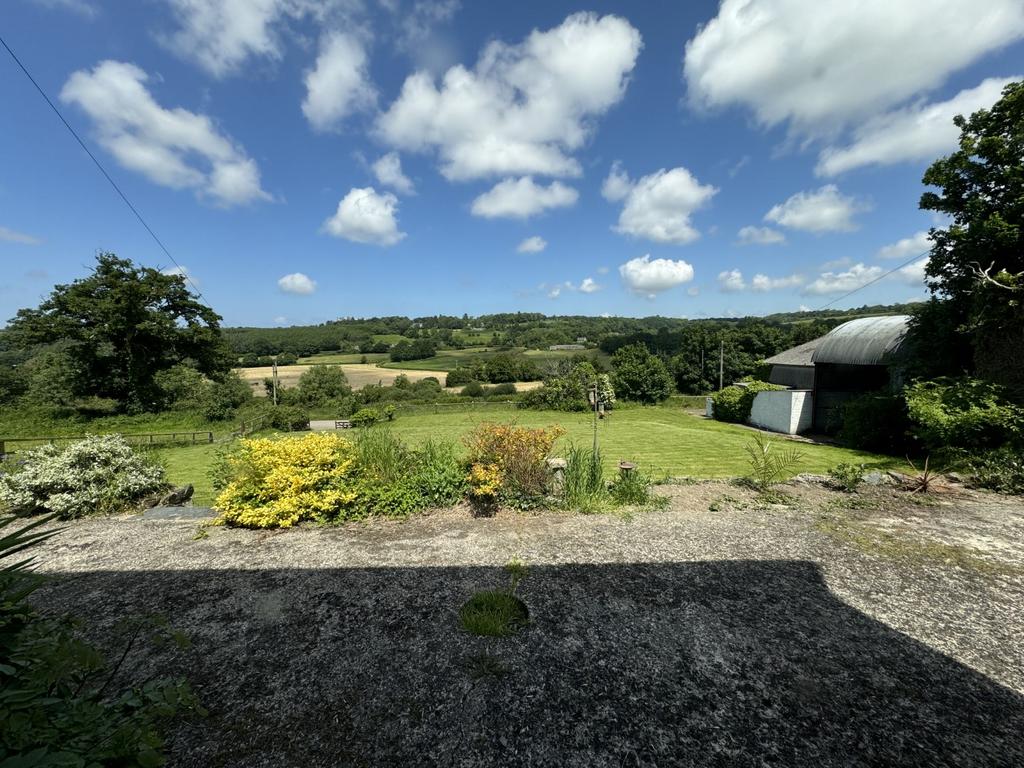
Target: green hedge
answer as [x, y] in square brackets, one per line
[733, 403]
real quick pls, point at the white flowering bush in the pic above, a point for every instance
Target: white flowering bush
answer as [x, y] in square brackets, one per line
[98, 475]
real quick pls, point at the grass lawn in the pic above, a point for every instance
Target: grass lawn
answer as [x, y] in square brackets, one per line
[191, 464]
[664, 441]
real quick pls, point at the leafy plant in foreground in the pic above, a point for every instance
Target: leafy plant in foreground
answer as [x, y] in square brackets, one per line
[770, 461]
[584, 487]
[497, 613]
[61, 703]
[846, 477]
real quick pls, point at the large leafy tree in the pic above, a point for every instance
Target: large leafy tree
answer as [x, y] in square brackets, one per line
[638, 375]
[976, 265]
[122, 325]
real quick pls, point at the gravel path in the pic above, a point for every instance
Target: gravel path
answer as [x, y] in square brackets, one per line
[832, 631]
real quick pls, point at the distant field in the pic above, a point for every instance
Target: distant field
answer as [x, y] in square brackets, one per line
[338, 358]
[450, 359]
[358, 375]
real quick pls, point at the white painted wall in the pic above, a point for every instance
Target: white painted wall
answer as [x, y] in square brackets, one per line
[788, 411]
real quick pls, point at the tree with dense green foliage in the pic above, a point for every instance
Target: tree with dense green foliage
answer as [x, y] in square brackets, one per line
[638, 375]
[419, 349]
[976, 266]
[322, 384]
[122, 325]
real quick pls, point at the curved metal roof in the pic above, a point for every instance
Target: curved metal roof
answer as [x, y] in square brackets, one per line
[864, 341]
[799, 355]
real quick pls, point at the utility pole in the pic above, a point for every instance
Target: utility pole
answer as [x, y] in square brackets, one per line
[721, 365]
[595, 398]
[274, 374]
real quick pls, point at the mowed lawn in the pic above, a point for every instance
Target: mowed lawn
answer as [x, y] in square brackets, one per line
[664, 441]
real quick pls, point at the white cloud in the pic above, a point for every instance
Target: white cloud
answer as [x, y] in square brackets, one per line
[822, 64]
[11, 236]
[658, 206]
[760, 236]
[534, 244]
[648, 277]
[221, 34]
[693, 290]
[182, 272]
[297, 283]
[855, 277]
[913, 273]
[589, 285]
[523, 109]
[731, 281]
[366, 216]
[617, 185]
[823, 210]
[388, 170]
[420, 35]
[172, 147]
[906, 247]
[920, 132]
[555, 292]
[339, 84]
[763, 283]
[522, 198]
[603, 270]
[280, 320]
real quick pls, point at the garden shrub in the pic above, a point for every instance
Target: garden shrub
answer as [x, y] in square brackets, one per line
[877, 421]
[288, 418]
[570, 391]
[366, 417]
[440, 475]
[846, 477]
[963, 413]
[734, 403]
[501, 389]
[97, 475]
[633, 488]
[278, 483]
[459, 377]
[473, 389]
[57, 707]
[1000, 470]
[518, 453]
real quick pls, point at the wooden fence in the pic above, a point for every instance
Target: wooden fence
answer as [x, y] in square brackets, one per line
[142, 440]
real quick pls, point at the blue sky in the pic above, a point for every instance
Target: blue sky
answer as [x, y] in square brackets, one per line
[306, 161]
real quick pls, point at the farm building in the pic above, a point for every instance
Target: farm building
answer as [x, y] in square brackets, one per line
[859, 356]
[794, 367]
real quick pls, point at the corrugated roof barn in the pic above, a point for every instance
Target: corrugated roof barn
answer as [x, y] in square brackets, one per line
[864, 341]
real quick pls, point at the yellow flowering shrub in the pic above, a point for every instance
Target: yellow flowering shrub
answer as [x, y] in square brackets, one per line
[484, 481]
[278, 483]
[517, 453]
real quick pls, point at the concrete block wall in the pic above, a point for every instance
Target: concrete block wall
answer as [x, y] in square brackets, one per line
[788, 411]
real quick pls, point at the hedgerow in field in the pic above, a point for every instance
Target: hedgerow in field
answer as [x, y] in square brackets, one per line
[97, 475]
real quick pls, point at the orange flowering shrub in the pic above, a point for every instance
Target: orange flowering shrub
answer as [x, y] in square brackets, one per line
[510, 460]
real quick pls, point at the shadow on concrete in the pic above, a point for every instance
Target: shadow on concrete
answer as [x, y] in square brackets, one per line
[725, 663]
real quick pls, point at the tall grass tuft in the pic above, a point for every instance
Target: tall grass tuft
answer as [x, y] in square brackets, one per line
[381, 455]
[584, 487]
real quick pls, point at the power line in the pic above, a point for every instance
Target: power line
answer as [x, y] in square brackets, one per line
[908, 262]
[181, 270]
